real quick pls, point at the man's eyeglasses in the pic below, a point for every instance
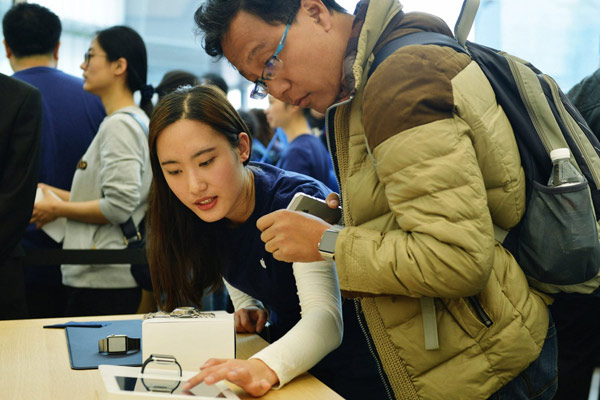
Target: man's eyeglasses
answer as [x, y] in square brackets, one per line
[272, 67]
[87, 57]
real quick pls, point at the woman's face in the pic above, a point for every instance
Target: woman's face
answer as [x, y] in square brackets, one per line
[203, 170]
[278, 113]
[97, 70]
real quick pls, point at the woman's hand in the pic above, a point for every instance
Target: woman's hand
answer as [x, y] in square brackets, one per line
[250, 320]
[46, 209]
[254, 376]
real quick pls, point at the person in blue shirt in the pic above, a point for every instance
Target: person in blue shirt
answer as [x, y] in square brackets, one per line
[304, 153]
[70, 119]
[205, 200]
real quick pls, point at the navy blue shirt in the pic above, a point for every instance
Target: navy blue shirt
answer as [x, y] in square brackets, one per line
[351, 369]
[306, 155]
[70, 119]
[275, 285]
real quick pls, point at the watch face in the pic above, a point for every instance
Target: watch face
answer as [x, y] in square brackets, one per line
[117, 344]
[328, 242]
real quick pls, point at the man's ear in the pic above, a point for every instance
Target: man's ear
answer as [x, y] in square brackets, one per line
[7, 49]
[317, 11]
[55, 52]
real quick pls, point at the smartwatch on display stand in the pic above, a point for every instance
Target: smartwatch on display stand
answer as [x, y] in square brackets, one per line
[118, 344]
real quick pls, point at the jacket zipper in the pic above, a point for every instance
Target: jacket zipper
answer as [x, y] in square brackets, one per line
[371, 345]
[479, 311]
[331, 139]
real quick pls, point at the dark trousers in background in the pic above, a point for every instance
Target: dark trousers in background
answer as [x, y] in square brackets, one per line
[12, 289]
[577, 319]
[46, 301]
[85, 301]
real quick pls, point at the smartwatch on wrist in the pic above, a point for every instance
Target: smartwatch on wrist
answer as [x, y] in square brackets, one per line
[327, 243]
[118, 344]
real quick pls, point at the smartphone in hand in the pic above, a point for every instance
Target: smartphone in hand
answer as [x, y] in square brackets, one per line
[317, 207]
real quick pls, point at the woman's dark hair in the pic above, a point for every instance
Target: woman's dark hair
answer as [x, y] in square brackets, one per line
[214, 17]
[175, 79]
[122, 41]
[264, 132]
[183, 254]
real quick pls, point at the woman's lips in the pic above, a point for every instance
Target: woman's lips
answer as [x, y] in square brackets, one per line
[206, 203]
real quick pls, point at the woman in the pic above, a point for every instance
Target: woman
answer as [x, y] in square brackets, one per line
[304, 153]
[204, 204]
[112, 180]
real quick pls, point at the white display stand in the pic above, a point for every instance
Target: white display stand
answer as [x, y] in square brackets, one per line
[127, 383]
[192, 341]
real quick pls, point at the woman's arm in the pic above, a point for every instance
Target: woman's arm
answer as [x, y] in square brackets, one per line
[321, 325]
[50, 208]
[64, 195]
[250, 314]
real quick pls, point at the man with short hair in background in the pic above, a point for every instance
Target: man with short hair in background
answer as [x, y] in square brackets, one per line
[70, 119]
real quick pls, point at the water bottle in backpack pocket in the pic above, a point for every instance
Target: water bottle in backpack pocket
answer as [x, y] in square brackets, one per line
[558, 235]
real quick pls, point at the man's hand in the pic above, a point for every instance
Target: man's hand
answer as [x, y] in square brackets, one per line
[254, 376]
[292, 235]
[250, 320]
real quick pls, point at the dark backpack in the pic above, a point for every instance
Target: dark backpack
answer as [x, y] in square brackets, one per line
[556, 242]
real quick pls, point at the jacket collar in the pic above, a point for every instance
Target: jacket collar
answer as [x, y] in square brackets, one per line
[376, 23]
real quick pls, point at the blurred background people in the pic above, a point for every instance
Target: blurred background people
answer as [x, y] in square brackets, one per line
[576, 315]
[174, 79]
[20, 138]
[113, 178]
[268, 144]
[70, 119]
[304, 153]
[217, 80]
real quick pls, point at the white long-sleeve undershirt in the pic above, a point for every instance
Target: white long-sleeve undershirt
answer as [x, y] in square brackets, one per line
[319, 330]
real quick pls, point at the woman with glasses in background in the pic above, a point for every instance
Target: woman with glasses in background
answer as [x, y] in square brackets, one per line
[111, 184]
[205, 200]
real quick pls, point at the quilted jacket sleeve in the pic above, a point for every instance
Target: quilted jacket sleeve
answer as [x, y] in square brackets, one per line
[438, 240]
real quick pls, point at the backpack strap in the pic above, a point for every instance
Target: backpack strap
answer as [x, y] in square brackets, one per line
[138, 120]
[418, 38]
[465, 20]
[131, 233]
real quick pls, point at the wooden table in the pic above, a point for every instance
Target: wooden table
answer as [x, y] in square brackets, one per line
[34, 364]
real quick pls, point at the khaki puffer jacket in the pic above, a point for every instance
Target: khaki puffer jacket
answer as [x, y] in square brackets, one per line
[441, 167]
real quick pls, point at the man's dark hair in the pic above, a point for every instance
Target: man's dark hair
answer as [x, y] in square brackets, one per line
[30, 29]
[214, 17]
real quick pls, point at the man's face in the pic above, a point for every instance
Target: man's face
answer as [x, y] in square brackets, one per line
[312, 56]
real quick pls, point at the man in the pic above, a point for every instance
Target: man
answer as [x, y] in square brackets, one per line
[70, 119]
[20, 136]
[586, 97]
[576, 315]
[304, 153]
[427, 164]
